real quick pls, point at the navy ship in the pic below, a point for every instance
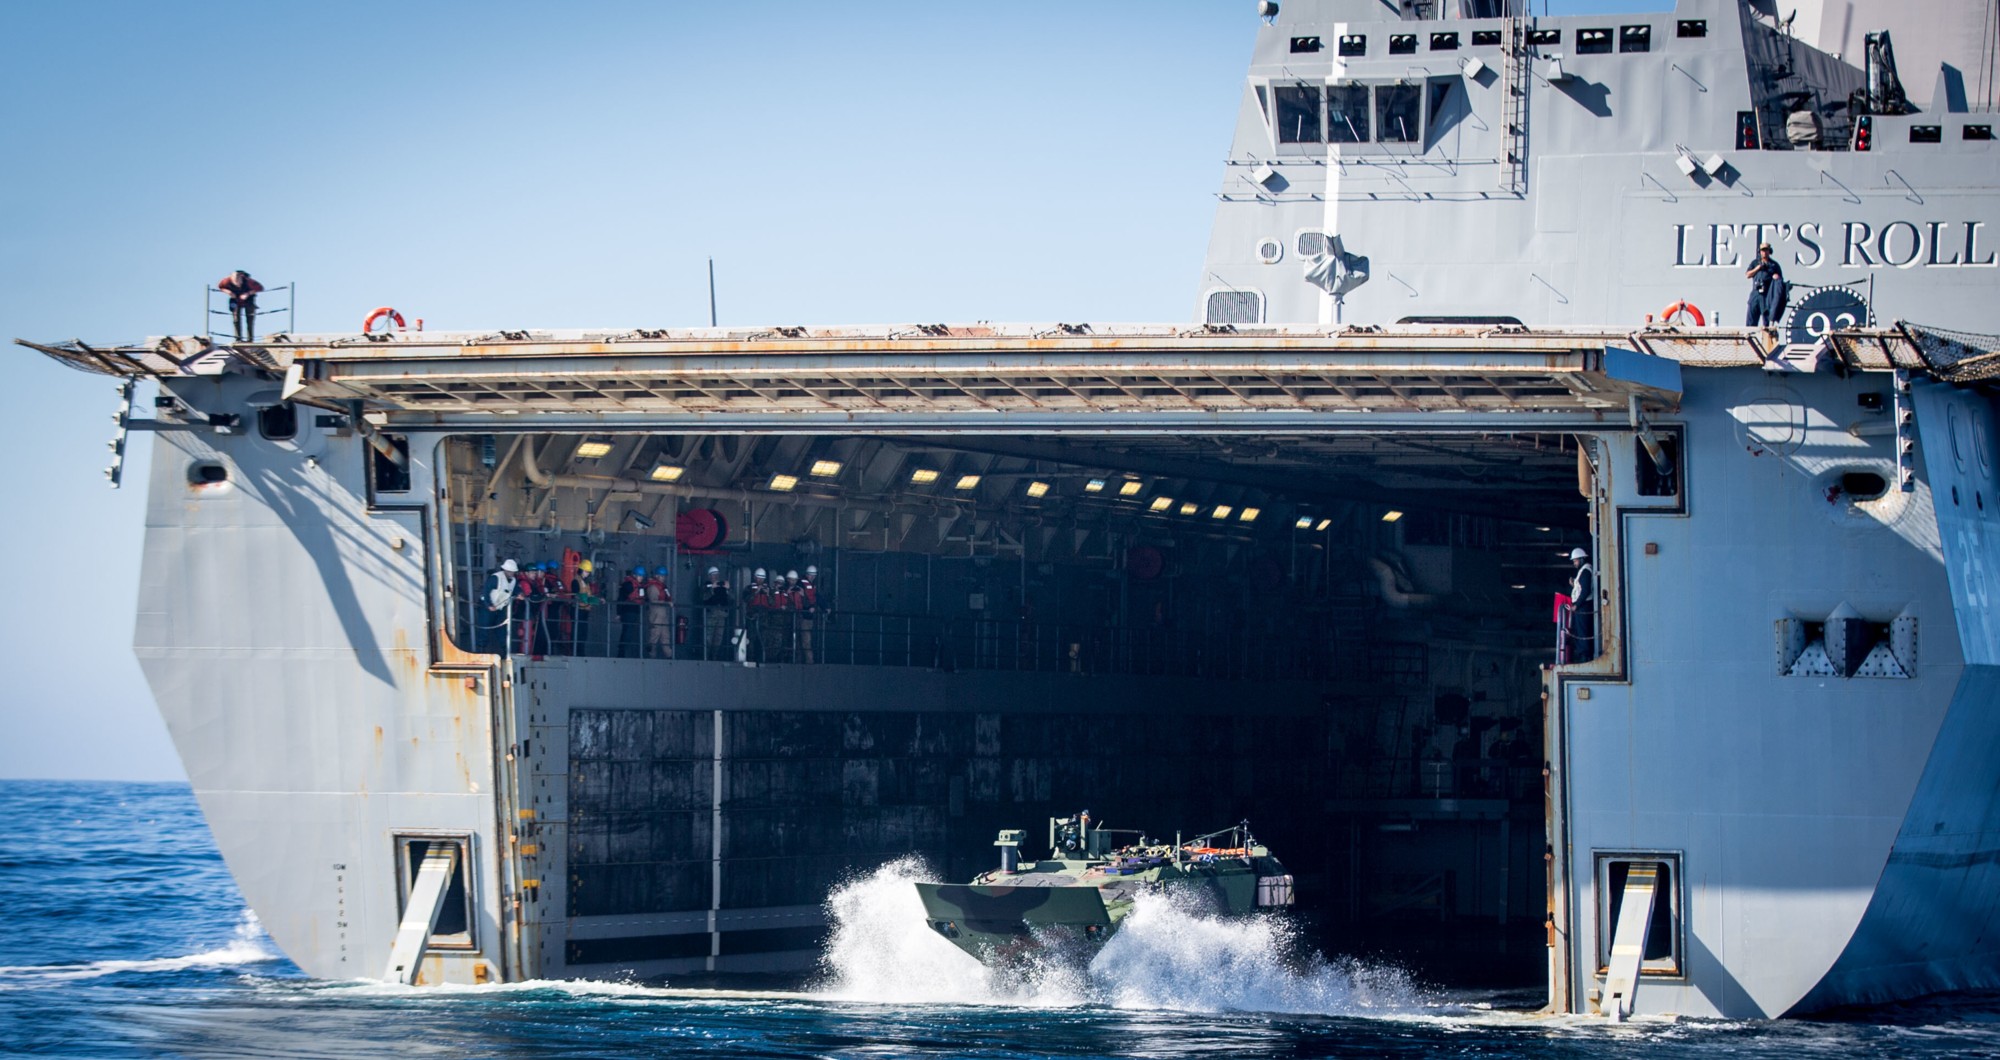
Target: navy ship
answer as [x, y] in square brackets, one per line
[462, 640]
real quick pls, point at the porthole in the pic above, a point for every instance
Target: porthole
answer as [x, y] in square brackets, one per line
[1863, 485]
[1269, 251]
[207, 473]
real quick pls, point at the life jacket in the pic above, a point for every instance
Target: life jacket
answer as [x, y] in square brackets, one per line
[657, 592]
[499, 590]
[632, 590]
[758, 595]
[808, 596]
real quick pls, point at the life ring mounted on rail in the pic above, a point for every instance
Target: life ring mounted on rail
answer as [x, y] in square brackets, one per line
[1670, 314]
[382, 312]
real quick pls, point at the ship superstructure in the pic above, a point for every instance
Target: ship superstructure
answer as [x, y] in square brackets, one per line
[1292, 562]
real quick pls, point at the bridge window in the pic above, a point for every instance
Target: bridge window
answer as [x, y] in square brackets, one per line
[1298, 114]
[1483, 38]
[1926, 134]
[278, 422]
[389, 463]
[1305, 45]
[1354, 44]
[1396, 112]
[1593, 41]
[1545, 36]
[1635, 38]
[1691, 28]
[1444, 42]
[1347, 114]
[1979, 132]
[1402, 44]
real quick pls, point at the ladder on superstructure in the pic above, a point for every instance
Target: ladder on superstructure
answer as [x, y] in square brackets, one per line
[1514, 105]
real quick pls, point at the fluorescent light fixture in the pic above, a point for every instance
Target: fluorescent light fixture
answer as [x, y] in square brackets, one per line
[1095, 485]
[1161, 504]
[781, 483]
[1324, 523]
[592, 448]
[1517, 587]
[667, 473]
[1189, 508]
[1543, 529]
[1304, 523]
[826, 468]
[1038, 489]
[1130, 487]
[966, 482]
[1391, 515]
[1221, 511]
[1249, 515]
[924, 476]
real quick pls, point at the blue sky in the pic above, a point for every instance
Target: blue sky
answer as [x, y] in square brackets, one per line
[537, 165]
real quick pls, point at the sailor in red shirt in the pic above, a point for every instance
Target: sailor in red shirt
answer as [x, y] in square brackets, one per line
[242, 292]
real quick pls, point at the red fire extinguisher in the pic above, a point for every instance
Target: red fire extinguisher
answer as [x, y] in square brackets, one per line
[680, 629]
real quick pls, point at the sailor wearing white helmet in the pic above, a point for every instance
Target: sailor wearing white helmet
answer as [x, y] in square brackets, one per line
[1582, 629]
[716, 601]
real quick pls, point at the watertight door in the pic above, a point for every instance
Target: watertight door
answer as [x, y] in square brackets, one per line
[1628, 941]
[421, 914]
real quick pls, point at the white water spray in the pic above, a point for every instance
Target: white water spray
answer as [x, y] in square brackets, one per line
[1166, 955]
[248, 945]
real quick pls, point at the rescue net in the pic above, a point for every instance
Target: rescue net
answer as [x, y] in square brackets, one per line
[1956, 356]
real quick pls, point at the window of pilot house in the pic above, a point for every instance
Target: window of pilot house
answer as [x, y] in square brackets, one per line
[1354, 44]
[1593, 41]
[389, 471]
[1402, 44]
[1485, 38]
[1347, 114]
[1396, 114]
[1635, 38]
[1298, 114]
[1662, 955]
[1444, 42]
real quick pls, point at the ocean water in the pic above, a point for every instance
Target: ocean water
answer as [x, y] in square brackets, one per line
[124, 936]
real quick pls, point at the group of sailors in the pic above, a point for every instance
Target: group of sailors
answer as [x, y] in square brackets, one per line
[550, 608]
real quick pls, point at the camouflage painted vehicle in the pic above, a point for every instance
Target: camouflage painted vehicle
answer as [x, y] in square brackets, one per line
[1089, 884]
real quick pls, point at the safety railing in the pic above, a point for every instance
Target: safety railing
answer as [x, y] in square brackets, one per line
[260, 315]
[556, 625]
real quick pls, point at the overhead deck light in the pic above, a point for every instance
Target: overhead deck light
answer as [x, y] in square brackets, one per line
[667, 473]
[1221, 512]
[1130, 487]
[592, 448]
[1324, 523]
[1391, 515]
[826, 468]
[924, 476]
[1517, 587]
[966, 482]
[1038, 489]
[783, 483]
[1304, 522]
[1095, 485]
[1543, 529]
[1189, 508]
[1249, 515]
[1161, 504]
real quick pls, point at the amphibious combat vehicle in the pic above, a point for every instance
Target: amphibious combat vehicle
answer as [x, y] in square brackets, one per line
[1090, 883]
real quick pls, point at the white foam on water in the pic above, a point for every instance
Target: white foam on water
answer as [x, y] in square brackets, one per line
[247, 945]
[1166, 955]
[883, 950]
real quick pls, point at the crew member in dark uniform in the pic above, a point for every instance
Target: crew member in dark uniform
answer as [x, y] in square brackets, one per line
[716, 601]
[756, 617]
[631, 600]
[1582, 631]
[808, 612]
[1767, 290]
[242, 292]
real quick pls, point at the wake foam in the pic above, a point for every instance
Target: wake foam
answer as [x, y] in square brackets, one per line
[248, 945]
[1166, 955]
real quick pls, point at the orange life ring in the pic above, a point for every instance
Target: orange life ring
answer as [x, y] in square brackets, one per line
[1667, 314]
[380, 312]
